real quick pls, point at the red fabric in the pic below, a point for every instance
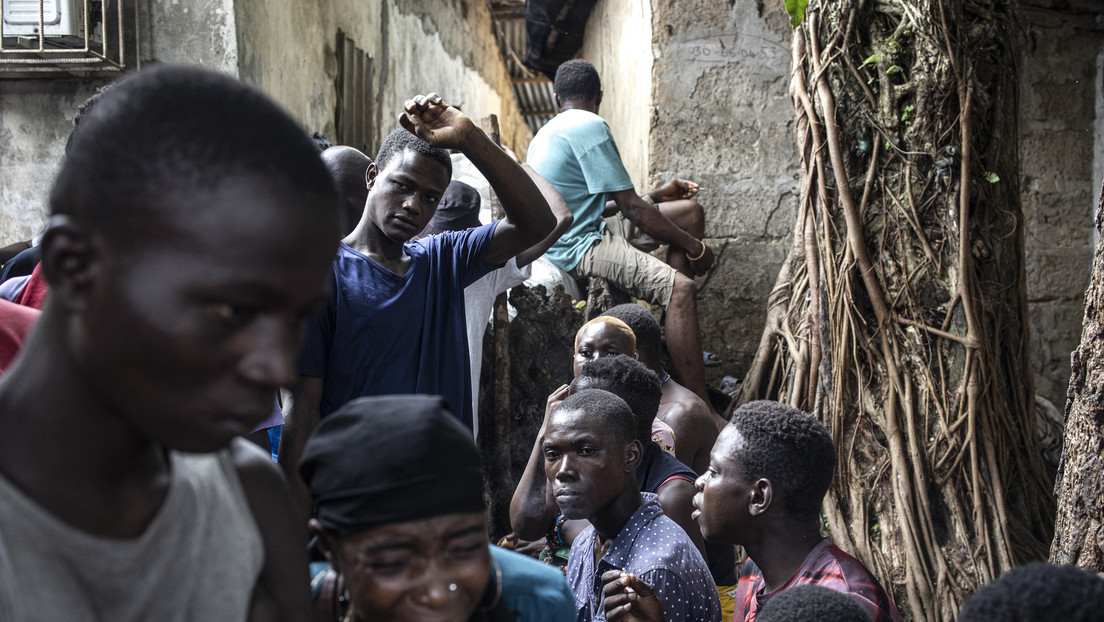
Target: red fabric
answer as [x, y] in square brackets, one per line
[15, 322]
[827, 566]
[34, 292]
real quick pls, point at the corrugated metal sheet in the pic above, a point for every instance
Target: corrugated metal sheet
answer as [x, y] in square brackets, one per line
[532, 89]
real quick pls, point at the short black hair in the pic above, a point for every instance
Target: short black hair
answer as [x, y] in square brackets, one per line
[83, 110]
[348, 166]
[790, 448]
[811, 602]
[643, 324]
[400, 140]
[577, 80]
[630, 380]
[1038, 591]
[612, 411]
[159, 140]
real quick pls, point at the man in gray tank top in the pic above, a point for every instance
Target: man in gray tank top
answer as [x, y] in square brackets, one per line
[191, 233]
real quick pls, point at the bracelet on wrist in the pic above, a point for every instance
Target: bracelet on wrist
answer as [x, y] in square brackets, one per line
[701, 254]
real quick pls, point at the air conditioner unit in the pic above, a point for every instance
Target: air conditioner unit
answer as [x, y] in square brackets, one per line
[59, 18]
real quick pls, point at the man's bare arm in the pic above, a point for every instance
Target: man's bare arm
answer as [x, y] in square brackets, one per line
[528, 219]
[560, 210]
[302, 411]
[649, 219]
[533, 509]
[695, 432]
[281, 592]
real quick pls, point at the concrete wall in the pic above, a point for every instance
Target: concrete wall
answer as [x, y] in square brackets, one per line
[1061, 117]
[36, 115]
[285, 48]
[720, 114]
[417, 46]
[622, 54]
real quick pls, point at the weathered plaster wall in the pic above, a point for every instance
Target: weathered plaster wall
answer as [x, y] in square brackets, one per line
[622, 54]
[1060, 117]
[417, 46]
[36, 115]
[724, 118]
[191, 32]
[35, 119]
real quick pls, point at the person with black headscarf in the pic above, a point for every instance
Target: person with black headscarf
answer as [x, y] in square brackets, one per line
[398, 496]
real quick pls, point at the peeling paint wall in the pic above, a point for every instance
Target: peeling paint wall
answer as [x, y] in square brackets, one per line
[35, 119]
[285, 48]
[191, 32]
[416, 46]
[36, 115]
[622, 54]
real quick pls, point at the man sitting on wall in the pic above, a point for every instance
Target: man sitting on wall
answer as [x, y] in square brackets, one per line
[576, 152]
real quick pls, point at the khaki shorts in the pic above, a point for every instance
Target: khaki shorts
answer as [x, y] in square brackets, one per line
[623, 227]
[634, 271]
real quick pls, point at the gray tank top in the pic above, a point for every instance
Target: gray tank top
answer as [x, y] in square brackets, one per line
[198, 560]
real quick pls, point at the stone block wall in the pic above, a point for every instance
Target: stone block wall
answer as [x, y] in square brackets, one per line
[1061, 114]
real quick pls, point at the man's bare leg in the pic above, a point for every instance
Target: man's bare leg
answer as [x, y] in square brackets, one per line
[690, 217]
[684, 336]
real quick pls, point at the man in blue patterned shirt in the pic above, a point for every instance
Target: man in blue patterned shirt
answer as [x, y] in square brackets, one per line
[590, 457]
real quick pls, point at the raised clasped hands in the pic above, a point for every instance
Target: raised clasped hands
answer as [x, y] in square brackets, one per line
[428, 117]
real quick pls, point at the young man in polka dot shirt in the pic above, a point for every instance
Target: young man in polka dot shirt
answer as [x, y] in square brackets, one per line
[590, 454]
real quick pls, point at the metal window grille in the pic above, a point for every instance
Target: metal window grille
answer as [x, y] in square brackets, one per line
[352, 118]
[64, 36]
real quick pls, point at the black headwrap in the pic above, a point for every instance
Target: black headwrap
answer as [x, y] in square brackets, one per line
[457, 210]
[390, 459]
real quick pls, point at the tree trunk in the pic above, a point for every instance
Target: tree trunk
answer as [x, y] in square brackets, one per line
[899, 317]
[1079, 532]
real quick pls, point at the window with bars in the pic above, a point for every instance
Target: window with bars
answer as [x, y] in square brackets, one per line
[352, 119]
[65, 36]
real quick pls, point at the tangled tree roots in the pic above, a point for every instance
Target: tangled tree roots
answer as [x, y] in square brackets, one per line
[899, 317]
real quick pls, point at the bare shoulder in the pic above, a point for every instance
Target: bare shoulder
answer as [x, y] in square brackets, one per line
[259, 476]
[682, 407]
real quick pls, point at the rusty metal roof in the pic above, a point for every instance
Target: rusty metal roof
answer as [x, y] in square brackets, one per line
[532, 89]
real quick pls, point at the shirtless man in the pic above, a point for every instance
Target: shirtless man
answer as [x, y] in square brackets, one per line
[695, 426]
[192, 227]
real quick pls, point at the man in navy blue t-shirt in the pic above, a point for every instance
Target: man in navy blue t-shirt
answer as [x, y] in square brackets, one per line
[395, 319]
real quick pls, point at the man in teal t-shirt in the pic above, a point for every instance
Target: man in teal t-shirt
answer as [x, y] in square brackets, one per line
[575, 151]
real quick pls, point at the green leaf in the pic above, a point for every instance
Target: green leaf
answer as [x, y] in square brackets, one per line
[875, 58]
[796, 9]
[991, 177]
[894, 69]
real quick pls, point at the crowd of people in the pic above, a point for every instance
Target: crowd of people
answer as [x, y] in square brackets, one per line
[208, 279]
